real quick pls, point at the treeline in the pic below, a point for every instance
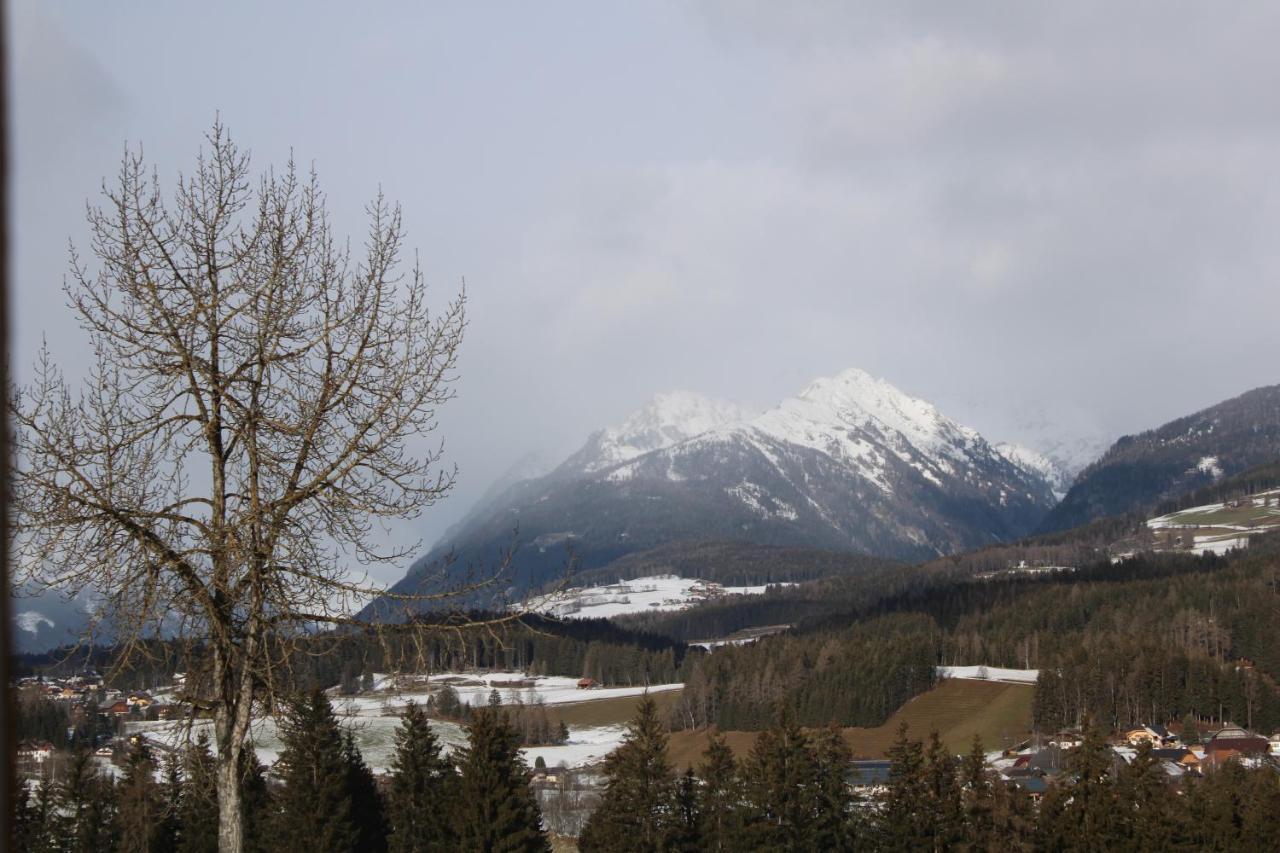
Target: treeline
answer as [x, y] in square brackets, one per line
[734, 564]
[530, 720]
[792, 794]
[321, 797]
[594, 648]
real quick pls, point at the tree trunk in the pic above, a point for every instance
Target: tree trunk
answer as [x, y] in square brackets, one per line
[230, 807]
[231, 721]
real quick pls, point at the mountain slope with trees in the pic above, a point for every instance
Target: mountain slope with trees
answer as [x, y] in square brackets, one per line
[1140, 471]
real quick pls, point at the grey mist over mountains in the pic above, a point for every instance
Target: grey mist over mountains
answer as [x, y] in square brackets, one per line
[1056, 225]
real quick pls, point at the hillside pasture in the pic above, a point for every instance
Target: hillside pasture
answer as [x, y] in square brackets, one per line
[998, 712]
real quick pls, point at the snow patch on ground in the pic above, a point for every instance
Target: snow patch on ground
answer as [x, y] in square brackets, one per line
[1209, 465]
[990, 673]
[641, 595]
[373, 718]
[474, 689]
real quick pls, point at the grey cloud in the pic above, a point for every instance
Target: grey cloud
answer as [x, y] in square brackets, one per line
[1028, 213]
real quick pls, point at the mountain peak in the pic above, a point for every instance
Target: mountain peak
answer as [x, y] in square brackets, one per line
[667, 419]
[855, 400]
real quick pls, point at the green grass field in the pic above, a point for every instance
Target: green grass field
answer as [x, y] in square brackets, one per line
[957, 709]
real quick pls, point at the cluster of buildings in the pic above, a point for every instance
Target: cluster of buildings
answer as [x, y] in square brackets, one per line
[81, 693]
[1033, 766]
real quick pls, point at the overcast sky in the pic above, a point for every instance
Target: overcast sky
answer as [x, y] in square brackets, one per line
[1021, 213]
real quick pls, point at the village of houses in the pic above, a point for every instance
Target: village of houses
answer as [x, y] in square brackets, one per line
[1034, 764]
[85, 698]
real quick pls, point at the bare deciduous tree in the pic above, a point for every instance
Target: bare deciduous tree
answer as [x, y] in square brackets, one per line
[253, 409]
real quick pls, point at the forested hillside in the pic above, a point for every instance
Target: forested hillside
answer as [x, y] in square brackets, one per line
[596, 647]
[1150, 639]
[1140, 471]
[735, 564]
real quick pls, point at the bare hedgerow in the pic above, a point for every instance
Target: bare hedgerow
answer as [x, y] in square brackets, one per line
[254, 409]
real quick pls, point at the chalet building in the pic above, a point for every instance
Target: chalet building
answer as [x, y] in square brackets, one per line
[587, 684]
[35, 750]
[1233, 742]
[1066, 740]
[1156, 735]
[1179, 755]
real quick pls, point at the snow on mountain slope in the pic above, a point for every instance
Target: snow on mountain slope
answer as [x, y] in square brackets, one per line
[667, 419]
[1038, 463]
[31, 621]
[851, 463]
[856, 418]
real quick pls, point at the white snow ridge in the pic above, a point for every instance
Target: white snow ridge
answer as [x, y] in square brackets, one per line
[30, 621]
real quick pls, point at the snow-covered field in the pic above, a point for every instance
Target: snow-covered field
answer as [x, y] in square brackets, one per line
[990, 673]
[374, 717]
[1218, 528]
[391, 694]
[640, 595]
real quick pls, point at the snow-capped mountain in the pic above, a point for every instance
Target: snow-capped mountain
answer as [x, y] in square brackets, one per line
[850, 463]
[665, 420]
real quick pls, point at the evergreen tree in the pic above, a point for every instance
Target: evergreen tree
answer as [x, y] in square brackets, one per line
[139, 804]
[1260, 809]
[637, 811]
[944, 804]
[832, 827]
[903, 820]
[1013, 818]
[683, 837]
[198, 813]
[86, 820]
[1143, 799]
[1215, 809]
[35, 826]
[1082, 814]
[257, 802]
[780, 788]
[169, 831]
[1190, 730]
[977, 799]
[496, 811]
[368, 813]
[720, 799]
[314, 805]
[421, 791]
